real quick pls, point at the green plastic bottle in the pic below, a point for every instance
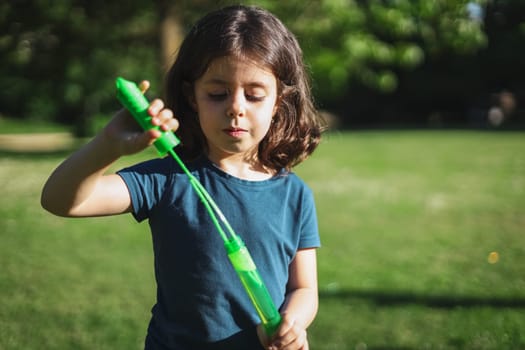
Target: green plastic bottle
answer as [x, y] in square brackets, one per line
[247, 271]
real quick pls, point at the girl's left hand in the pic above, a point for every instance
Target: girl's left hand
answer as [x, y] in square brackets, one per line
[289, 336]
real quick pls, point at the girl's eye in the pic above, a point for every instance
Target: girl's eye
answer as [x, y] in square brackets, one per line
[221, 96]
[254, 98]
[218, 96]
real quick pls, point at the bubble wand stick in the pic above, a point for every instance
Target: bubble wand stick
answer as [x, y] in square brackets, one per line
[136, 103]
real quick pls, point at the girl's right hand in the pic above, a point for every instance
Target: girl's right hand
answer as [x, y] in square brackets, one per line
[289, 336]
[125, 133]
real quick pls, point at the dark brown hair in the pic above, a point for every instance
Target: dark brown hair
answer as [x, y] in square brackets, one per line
[254, 33]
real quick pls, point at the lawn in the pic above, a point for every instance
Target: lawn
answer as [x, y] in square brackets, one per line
[408, 219]
[15, 126]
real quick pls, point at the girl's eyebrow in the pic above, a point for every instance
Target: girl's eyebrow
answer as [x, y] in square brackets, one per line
[219, 81]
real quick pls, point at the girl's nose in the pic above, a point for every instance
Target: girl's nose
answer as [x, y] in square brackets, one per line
[237, 108]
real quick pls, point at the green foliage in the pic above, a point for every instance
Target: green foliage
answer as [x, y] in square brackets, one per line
[368, 42]
[59, 58]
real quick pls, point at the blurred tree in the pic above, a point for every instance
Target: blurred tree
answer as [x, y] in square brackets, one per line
[58, 59]
[457, 87]
[369, 41]
[504, 57]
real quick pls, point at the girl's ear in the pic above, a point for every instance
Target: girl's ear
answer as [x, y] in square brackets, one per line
[189, 94]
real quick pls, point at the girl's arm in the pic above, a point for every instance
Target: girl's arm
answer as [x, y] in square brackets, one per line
[80, 187]
[300, 306]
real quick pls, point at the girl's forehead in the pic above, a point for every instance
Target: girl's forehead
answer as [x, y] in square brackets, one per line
[238, 67]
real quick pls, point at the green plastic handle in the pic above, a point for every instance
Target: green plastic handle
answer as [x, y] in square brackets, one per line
[253, 284]
[130, 96]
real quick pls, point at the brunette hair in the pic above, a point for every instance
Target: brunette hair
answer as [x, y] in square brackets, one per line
[254, 33]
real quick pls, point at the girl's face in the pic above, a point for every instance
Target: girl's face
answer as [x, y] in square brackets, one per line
[235, 100]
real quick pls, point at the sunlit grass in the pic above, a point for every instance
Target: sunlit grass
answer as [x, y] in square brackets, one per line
[408, 220]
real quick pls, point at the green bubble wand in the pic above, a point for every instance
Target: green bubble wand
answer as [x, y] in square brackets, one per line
[136, 103]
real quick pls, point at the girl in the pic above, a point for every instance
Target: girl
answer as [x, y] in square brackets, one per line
[239, 91]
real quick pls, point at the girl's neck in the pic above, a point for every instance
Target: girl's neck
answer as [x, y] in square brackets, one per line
[240, 167]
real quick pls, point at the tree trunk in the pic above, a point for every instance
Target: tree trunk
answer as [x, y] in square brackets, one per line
[171, 32]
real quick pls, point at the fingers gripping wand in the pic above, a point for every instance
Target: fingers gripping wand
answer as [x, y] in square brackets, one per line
[136, 103]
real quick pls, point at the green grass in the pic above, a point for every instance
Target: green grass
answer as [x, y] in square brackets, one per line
[407, 218]
[16, 126]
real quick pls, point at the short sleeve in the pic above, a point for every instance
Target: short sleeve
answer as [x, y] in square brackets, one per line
[146, 183]
[309, 225]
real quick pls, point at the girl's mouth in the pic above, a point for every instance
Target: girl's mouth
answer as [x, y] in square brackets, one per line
[234, 132]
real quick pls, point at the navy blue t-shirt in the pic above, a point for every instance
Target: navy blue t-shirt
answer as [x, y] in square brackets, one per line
[200, 299]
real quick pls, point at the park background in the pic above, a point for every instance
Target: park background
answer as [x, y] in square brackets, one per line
[419, 181]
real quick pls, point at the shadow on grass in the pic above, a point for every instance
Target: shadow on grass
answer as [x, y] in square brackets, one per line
[37, 154]
[391, 298]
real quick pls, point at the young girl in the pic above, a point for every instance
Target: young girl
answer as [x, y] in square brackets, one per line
[239, 92]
